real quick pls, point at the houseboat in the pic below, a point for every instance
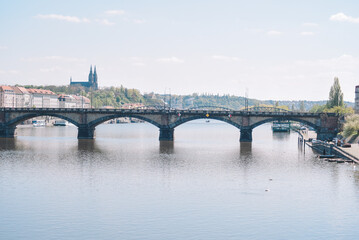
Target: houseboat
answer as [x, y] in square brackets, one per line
[38, 123]
[281, 126]
[60, 123]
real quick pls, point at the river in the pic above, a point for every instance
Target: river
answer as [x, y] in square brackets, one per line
[125, 184]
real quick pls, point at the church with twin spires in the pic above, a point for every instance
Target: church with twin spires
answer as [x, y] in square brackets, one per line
[92, 82]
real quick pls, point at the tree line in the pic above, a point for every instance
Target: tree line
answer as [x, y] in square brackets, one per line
[118, 96]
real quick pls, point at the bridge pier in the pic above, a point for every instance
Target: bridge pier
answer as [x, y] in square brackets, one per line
[86, 133]
[324, 135]
[166, 134]
[7, 132]
[246, 135]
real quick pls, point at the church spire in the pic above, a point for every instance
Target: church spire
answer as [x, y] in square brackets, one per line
[91, 76]
[95, 84]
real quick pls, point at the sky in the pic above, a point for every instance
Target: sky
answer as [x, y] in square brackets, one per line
[271, 49]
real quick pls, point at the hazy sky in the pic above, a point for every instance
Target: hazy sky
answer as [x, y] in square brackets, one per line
[285, 50]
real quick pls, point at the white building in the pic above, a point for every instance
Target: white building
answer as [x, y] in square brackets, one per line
[7, 96]
[73, 101]
[82, 102]
[67, 101]
[41, 98]
[22, 97]
[14, 97]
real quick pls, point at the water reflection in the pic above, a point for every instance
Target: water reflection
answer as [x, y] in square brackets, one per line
[88, 151]
[355, 170]
[210, 182]
[8, 144]
[87, 145]
[246, 149]
[245, 153]
[281, 135]
[166, 147]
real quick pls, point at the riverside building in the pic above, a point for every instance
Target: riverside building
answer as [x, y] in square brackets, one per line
[20, 97]
[73, 101]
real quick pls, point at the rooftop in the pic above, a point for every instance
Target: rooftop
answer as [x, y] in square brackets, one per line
[40, 91]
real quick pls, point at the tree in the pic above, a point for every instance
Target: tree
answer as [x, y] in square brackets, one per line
[351, 125]
[318, 108]
[340, 110]
[302, 107]
[335, 95]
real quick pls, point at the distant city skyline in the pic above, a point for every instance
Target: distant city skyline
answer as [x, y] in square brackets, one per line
[280, 50]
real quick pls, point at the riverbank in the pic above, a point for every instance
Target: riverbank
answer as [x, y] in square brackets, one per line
[327, 148]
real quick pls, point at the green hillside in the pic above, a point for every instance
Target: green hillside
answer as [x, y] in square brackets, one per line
[118, 96]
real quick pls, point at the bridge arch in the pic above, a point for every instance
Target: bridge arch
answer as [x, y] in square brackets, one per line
[101, 120]
[310, 124]
[14, 122]
[326, 125]
[188, 119]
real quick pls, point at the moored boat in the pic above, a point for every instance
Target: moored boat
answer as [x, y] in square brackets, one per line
[38, 123]
[60, 123]
[281, 126]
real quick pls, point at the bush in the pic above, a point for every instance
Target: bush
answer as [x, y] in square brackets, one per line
[351, 126]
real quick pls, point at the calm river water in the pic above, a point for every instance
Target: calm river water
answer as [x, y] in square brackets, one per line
[126, 185]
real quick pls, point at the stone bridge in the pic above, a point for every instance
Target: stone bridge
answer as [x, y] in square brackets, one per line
[325, 124]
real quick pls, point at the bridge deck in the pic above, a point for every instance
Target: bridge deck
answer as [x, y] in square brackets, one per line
[325, 124]
[164, 111]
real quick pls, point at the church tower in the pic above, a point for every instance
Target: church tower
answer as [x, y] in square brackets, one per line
[95, 83]
[92, 82]
[90, 76]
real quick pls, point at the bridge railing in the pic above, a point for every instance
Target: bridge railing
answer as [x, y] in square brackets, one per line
[168, 111]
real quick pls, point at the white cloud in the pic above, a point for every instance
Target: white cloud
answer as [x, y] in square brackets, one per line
[63, 18]
[105, 22]
[310, 24]
[139, 64]
[115, 12]
[224, 58]
[66, 59]
[170, 60]
[274, 33]
[342, 62]
[321, 72]
[53, 69]
[255, 30]
[307, 33]
[136, 59]
[139, 21]
[341, 17]
[54, 58]
[3, 47]
[8, 72]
